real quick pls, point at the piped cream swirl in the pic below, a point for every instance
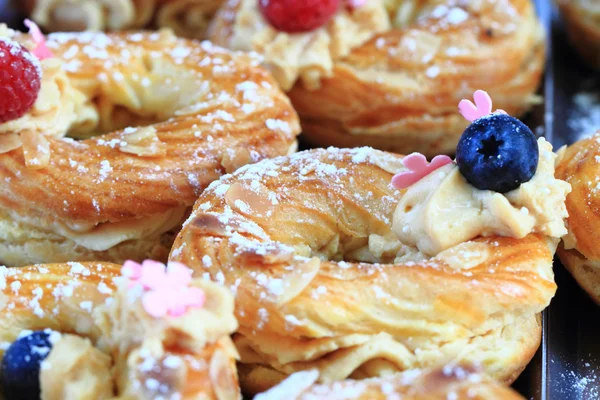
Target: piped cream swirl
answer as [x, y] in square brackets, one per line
[443, 210]
[306, 56]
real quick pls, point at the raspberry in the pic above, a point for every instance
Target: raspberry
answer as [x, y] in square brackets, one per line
[298, 15]
[20, 75]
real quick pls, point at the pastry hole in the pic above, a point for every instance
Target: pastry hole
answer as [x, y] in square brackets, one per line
[151, 90]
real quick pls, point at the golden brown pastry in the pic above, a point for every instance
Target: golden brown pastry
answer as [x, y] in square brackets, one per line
[181, 114]
[187, 18]
[335, 269]
[93, 15]
[580, 251]
[106, 345]
[582, 18]
[451, 382]
[389, 74]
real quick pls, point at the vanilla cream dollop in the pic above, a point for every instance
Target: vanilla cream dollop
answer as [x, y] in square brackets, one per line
[59, 108]
[307, 56]
[443, 210]
[75, 369]
[141, 345]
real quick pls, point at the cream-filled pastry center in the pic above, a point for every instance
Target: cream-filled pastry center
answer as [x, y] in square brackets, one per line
[135, 88]
[443, 209]
[309, 56]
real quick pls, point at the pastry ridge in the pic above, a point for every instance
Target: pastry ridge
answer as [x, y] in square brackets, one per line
[378, 96]
[72, 299]
[231, 114]
[579, 252]
[268, 231]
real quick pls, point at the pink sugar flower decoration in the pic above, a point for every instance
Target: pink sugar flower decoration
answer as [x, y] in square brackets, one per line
[418, 169]
[41, 51]
[481, 108]
[166, 289]
[131, 270]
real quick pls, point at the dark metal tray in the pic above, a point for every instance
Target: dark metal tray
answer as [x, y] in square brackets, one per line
[567, 365]
[572, 326]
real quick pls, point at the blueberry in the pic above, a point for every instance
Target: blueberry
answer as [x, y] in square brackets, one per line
[497, 153]
[20, 371]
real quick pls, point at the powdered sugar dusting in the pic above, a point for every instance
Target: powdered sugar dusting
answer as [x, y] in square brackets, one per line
[227, 208]
[585, 117]
[25, 290]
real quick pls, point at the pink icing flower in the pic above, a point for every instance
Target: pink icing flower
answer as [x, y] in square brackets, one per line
[41, 51]
[481, 108]
[166, 289]
[418, 169]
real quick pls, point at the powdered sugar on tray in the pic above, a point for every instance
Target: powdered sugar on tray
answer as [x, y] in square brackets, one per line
[580, 383]
[585, 118]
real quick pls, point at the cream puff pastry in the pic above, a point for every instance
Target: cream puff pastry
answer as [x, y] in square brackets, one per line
[180, 114]
[579, 251]
[387, 73]
[338, 267]
[187, 18]
[95, 337]
[582, 18]
[452, 382]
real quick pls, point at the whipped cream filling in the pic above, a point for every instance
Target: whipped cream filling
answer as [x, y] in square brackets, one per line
[306, 56]
[59, 108]
[107, 235]
[443, 210]
[104, 236]
[75, 369]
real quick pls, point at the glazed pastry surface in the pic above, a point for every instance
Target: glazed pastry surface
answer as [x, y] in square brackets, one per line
[306, 244]
[389, 74]
[580, 253]
[181, 114]
[106, 346]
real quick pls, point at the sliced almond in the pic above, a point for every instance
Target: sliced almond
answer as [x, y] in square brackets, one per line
[222, 376]
[208, 224]
[9, 142]
[36, 149]
[298, 280]
[233, 159]
[250, 200]
[143, 142]
[292, 387]
[464, 256]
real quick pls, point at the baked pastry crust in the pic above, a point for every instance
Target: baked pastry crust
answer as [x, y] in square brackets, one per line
[580, 250]
[399, 90]
[582, 18]
[287, 235]
[220, 110]
[187, 18]
[72, 299]
[456, 382]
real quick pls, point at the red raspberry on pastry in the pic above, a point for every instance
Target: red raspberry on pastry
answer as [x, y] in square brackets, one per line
[20, 76]
[295, 16]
